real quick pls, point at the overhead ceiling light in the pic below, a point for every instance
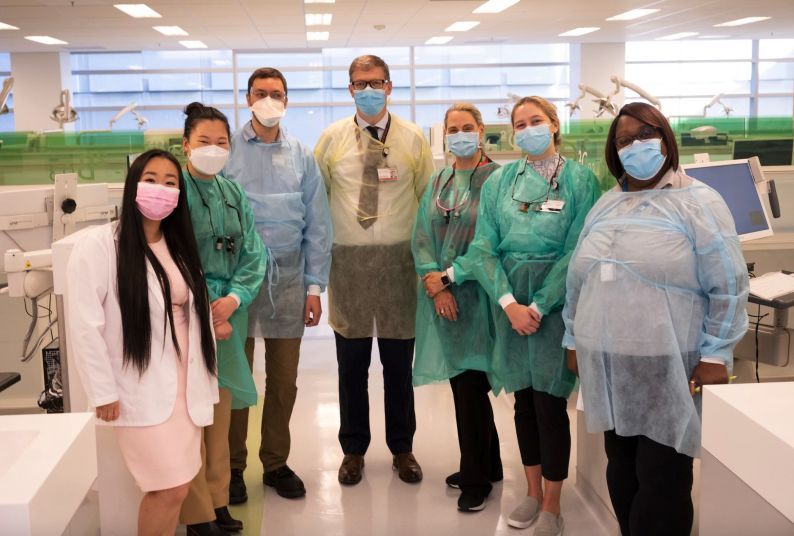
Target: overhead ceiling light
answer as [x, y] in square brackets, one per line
[319, 1]
[495, 6]
[576, 32]
[439, 40]
[318, 19]
[317, 36]
[680, 35]
[4, 26]
[740, 22]
[170, 30]
[710, 36]
[634, 14]
[45, 40]
[139, 11]
[193, 44]
[462, 26]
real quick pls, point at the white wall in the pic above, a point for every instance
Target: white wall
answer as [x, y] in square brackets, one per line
[592, 64]
[39, 78]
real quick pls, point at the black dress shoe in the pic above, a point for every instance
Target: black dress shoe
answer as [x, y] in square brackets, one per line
[470, 501]
[407, 467]
[225, 520]
[286, 482]
[237, 492]
[205, 529]
[351, 469]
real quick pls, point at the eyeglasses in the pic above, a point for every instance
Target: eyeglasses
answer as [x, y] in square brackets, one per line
[275, 95]
[358, 85]
[645, 133]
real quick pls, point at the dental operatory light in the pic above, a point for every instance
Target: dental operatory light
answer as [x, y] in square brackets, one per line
[130, 108]
[64, 113]
[8, 84]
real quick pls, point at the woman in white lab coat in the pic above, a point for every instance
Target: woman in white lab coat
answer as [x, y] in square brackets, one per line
[139, 315]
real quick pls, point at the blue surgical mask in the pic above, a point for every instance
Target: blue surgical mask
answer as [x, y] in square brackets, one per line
[370, 101]
[534, 140]
[463, 144]
[642, 159]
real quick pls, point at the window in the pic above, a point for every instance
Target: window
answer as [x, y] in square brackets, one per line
[776, 77]
[7, 119]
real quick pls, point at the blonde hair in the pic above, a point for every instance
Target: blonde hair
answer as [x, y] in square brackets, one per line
[546, 107]
[464, 107]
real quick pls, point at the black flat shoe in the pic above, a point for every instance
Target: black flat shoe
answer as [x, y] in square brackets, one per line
[237, 492]
[225, 520]
[471, 501]
[205, 529]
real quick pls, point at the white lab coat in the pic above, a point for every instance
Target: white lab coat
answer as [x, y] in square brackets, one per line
[94, 324]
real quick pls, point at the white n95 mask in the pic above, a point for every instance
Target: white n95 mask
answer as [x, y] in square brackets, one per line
[268, 111]
[209, 159]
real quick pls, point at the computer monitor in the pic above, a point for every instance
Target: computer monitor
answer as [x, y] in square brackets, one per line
[770, 152]
[736, 180]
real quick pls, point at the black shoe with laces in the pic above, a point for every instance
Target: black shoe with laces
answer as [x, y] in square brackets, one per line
[237, 492]
[205, 529]
[225, 520]
[285, 481]
[470, 501]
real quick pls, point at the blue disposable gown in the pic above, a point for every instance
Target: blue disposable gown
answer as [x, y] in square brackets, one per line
[526, 253]
[445, 348]
[290, 207]
[657, 282]
[218, 208]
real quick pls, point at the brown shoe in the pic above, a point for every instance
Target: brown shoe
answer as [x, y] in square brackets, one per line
[351, 469]
[407, 467]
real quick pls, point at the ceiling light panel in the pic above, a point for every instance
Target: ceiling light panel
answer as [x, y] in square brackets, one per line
[495, 6]
[462, 26]
[680, 35]
[139, 11]
[45, 40]
[319, 1]
[170, 30]
[319, 19]
[439, 40]
[4, 26]
[741, 22]
[318, 36]
[576, 32]
[634, 14]
[193, 44]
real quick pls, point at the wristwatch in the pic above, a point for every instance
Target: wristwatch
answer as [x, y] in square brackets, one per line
[445, 280]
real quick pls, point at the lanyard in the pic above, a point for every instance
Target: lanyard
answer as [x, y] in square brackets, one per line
[219, 240]
[536, 203]
[381, 139]
[484, 160]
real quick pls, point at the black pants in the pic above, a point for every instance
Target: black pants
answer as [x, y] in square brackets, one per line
[650, 486]
[544, 433]
[480, 462]
[353, 357]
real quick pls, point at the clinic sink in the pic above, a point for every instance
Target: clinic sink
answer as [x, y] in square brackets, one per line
[47, 466]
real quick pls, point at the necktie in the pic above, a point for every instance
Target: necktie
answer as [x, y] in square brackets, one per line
[368, 196]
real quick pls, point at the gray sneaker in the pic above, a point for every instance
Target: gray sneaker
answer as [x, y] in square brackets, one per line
[549, 525]
[525, 513]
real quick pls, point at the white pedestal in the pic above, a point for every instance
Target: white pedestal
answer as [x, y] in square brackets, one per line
[747, 473]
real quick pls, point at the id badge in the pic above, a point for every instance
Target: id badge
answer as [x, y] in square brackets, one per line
[387, 174]
[552, 205]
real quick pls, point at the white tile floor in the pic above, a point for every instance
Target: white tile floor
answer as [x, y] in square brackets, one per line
[382, 504]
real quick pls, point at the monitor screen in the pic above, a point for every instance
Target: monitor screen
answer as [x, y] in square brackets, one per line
[734, 182]
[770, 152]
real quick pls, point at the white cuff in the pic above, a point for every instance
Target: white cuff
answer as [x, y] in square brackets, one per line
[534, 307]
[715, 360]
[313, 290]
[451, 274]
[506, 300]
[571, 348]
[235, 297]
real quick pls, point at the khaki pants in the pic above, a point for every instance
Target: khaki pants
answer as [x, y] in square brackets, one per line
[281, 368]
[210, 487]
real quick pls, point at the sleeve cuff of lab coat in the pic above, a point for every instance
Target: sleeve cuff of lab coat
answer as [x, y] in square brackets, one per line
[451, 274]
[506, 300]
[313, 290]
[236, 298]
[534, 307]
[715, 360]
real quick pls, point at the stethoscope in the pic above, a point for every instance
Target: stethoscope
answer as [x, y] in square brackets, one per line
[220, 241]
[447, 211]
[538, 202]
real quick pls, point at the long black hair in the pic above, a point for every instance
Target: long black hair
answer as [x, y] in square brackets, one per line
[132, 283]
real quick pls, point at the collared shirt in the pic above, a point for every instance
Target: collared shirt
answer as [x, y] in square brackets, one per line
[380, 125]
[249, 133]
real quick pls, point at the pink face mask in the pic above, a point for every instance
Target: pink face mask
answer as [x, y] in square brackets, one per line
[156, 201]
